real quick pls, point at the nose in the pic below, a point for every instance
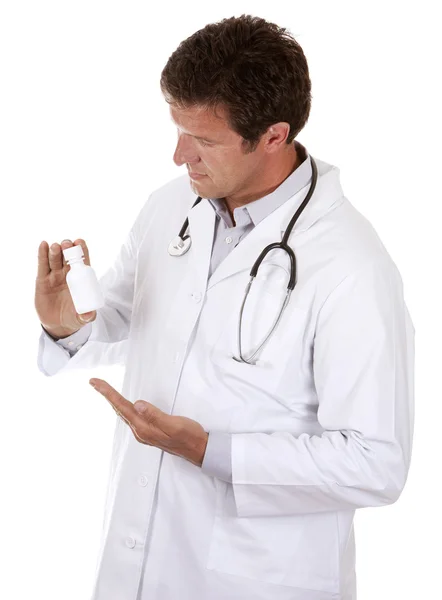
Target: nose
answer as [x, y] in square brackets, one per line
[185, 151]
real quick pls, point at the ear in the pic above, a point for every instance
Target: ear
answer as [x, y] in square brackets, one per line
[276, 136]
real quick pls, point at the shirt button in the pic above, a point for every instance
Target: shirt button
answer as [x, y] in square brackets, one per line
[130, 542]
[229, 240]
[197, 296]
[78, 347]
[70, 343]
[142, 480]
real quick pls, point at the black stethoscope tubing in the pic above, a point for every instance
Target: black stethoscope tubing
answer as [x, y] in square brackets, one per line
[283, 243]
[179, 246]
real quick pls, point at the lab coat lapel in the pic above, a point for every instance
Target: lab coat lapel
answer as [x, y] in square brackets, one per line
[243, 256]
[271, 229]
[201, 227]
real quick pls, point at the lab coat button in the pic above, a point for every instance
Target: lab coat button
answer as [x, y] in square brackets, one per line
[197, 296]
[142, 480]
[176, 358]
[130, 542]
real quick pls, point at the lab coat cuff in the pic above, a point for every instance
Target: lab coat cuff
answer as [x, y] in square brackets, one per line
[217, 460]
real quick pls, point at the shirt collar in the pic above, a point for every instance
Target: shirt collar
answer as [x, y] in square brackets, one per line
[259, 209]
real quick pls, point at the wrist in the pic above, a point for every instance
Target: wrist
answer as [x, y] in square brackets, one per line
[198, 450]
[59, 334]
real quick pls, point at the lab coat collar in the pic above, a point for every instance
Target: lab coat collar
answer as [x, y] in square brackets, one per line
[202, 217]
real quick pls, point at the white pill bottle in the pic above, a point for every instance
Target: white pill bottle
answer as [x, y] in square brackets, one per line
[82, 282]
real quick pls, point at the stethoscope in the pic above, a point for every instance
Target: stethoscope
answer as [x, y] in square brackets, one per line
[181, 244]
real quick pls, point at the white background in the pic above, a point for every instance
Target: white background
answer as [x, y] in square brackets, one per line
[85, 137]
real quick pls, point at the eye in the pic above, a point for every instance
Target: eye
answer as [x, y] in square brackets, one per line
[203, 143]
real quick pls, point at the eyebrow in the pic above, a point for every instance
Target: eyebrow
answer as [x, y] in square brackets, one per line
[204, 139]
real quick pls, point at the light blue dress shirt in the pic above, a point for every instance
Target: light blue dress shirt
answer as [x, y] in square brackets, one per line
[217, 459]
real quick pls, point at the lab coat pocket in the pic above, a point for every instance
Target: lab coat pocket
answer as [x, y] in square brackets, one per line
[300, 551]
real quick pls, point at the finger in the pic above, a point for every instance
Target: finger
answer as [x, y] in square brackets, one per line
[123, 418]
[88, 317]
[43, 260]
[119, 403]
[134, 431]
[151, 414]
[137, 437]
[87, 260]
[65, 244]
[55, 257]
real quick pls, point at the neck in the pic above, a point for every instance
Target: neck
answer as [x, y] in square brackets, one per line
[277, 175]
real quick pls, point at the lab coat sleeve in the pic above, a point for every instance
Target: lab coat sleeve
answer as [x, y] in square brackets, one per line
[53, 354]
[104, 340]
[363, 369]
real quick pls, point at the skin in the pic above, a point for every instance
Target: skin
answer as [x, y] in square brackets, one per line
[232, 174]
[150, 425]
[174, 434]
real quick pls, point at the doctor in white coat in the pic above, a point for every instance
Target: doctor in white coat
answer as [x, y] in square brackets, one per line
[235, 479]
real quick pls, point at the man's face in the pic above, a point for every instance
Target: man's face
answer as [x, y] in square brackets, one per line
[208, 146]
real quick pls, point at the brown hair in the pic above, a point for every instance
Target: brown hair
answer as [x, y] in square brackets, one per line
[252, 68]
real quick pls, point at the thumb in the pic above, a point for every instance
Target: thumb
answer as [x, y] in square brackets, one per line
[140, 406]
[86, 317]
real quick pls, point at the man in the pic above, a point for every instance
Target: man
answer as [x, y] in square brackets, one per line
[239, 478]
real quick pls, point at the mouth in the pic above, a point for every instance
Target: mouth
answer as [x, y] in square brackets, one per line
[196, 175]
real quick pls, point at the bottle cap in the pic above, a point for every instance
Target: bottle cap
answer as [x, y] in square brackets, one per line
[73, 252]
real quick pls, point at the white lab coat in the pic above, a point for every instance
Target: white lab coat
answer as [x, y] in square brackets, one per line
[321, 425]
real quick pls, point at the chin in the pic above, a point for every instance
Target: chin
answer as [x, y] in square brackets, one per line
[202, 183]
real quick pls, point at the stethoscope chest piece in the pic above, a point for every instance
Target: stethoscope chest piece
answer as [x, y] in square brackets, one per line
[179, 246]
